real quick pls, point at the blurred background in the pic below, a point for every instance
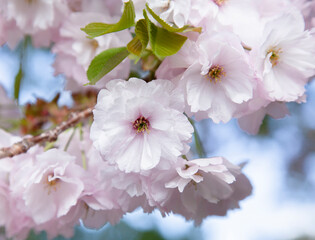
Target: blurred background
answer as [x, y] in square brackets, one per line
[280, 165]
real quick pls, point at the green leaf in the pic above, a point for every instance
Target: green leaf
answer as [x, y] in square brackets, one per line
[142, 33]
[170, 28]
[163, 42]
[139, 43]
[127, 20]
[105, 62]
[17, 83]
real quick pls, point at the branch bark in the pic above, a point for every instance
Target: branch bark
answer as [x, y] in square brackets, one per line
[48, 136]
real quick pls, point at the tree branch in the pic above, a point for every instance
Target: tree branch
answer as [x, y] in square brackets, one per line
[48, 136]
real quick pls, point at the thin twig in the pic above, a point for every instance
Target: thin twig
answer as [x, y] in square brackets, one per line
[48, 136]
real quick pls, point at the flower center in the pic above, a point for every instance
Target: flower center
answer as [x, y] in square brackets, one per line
[192, 182]
[141, 125]
[216, 73]
[51, 184]
[275, 55]
[219, 2]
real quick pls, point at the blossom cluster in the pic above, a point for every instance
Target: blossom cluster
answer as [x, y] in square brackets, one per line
[51, 190]
[249, 59]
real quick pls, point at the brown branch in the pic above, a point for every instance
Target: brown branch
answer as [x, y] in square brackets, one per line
[48, 136]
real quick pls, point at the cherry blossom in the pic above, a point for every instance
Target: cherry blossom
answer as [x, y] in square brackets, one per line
[138, 137]
[209, 186]
[218, 81]
[53, 179]
[285, 58]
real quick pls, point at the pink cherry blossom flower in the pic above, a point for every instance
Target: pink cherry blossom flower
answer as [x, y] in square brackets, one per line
[50, 185]
[150, 128]
[285, 58]
[213, 187]
[218, 80]
[208, 186]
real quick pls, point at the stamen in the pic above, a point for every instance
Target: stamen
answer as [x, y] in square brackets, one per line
[216, 73]
[141, 125]
[275, 55]
[195, 183]
[52, 184]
